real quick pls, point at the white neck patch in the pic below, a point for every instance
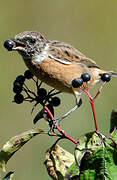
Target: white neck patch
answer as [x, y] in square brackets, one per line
[43, 55]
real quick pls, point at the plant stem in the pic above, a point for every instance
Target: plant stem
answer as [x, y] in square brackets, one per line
[92, 105]
[59, 129]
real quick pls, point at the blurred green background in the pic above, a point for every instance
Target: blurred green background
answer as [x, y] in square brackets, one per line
[90, 26]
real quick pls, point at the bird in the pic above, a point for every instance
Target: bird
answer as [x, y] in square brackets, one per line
[57, 64]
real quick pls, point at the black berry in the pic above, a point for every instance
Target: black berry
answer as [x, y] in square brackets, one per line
[8, 44]
[18, 98]
[42, 92]
[55, 101]
[20, 79]
[28, 74]
[105, 77]
[17, 87]
[77, 82]
[86, 77]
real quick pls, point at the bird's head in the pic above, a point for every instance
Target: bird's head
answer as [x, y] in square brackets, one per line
[28, 44]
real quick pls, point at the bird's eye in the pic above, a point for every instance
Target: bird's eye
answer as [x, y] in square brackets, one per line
[31, 40]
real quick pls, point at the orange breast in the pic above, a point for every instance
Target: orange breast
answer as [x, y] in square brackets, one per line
[59, 75]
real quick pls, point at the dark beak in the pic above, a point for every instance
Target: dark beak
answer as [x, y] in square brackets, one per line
[18, 45]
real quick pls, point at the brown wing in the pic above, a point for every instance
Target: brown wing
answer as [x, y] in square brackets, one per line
[67, 54]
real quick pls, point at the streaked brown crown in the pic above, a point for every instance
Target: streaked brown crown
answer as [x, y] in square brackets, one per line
[30, 34]
[29, 44]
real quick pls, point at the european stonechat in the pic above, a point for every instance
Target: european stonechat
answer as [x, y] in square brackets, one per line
[56, 63]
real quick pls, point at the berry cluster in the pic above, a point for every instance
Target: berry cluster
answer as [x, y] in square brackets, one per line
[18, 86]
[77, 82]
[85, 77]
[23, 93]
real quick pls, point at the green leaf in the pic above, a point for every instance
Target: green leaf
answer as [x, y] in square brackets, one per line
[14, 144]
[81, 151]
[8, 176]
[57, 162]
[113, 126]
[72, 171]
[113, 121]
[97, 158]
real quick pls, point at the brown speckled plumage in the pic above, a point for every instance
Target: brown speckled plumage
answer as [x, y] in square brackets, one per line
[55, 63]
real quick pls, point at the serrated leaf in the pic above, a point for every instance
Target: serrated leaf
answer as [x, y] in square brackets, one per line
[113, 126]
[72, 171]
[57, 162]
[113, 121]
[97, 159]
[14, 144]
[87, 140]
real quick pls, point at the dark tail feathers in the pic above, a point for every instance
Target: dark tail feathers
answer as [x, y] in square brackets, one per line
[114, 74]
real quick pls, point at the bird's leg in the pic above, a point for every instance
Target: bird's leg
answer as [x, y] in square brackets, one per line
[55, 122]
[78, 104]
[62, 133]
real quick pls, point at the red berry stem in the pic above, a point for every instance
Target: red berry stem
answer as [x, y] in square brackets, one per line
[48, 111]
[58, 127]
[66, 135]
[92, 99]
[99, 90]
[92, 105]
[94, 115]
